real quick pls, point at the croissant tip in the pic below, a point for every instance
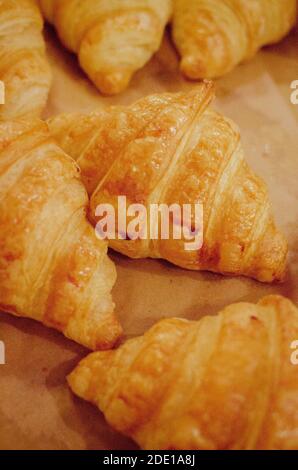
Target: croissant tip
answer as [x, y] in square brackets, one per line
[193, 68]
[110, 335]
[270, 276]
[78, 380]
[112, 83]
[271, 257]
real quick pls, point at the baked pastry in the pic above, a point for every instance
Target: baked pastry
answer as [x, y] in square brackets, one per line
[24, 68]
[225, 382]
[213, 36]
[52, 266]
[113, 38]
[171, 148]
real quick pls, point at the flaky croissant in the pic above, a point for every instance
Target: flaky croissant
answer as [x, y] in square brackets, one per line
[225, 382]
[52, 266]
[171, 148]
[213, 36]
[113, 38]
[24, 68]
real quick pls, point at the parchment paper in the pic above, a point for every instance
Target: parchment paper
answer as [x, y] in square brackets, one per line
[37, 410]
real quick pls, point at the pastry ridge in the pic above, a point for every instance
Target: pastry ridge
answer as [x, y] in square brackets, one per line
[113, 38]
[172, 148]
[24, 68]
[52, 267]
[223, 383]
[213, 36]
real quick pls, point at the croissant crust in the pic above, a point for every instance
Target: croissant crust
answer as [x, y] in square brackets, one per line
[113, 38]
[172, 148]
[52, 267]
[24, 68]
[213, 36]
[225, 382]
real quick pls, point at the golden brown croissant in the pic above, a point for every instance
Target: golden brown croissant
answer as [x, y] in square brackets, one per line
[24, 68]
[52, 266]
[225, 382]
[171, 148]
[113, 38]
[213, 36]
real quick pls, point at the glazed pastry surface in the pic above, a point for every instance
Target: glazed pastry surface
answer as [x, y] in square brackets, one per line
[172, 148]
[112, 38]
[24, 68]
[224, 382]
[213, 36]
[52, 267]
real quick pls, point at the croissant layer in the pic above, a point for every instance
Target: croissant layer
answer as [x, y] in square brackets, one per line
[24, 68]
[213, 36]
[52, 267]
[173, 149]
[113, 38]
[223, 383]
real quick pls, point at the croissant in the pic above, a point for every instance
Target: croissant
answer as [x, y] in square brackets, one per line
[226, 382]
[24, 68]
[113, 38]
[171, 148]
[52, 267]
[213, 36]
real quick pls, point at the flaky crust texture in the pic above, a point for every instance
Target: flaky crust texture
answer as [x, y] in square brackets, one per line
[24, 68]
[225, 382]
[213, 36]
[171, 148]
[113, 38]
[52, 267]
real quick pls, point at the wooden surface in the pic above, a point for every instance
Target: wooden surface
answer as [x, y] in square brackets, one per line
[37, 410]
